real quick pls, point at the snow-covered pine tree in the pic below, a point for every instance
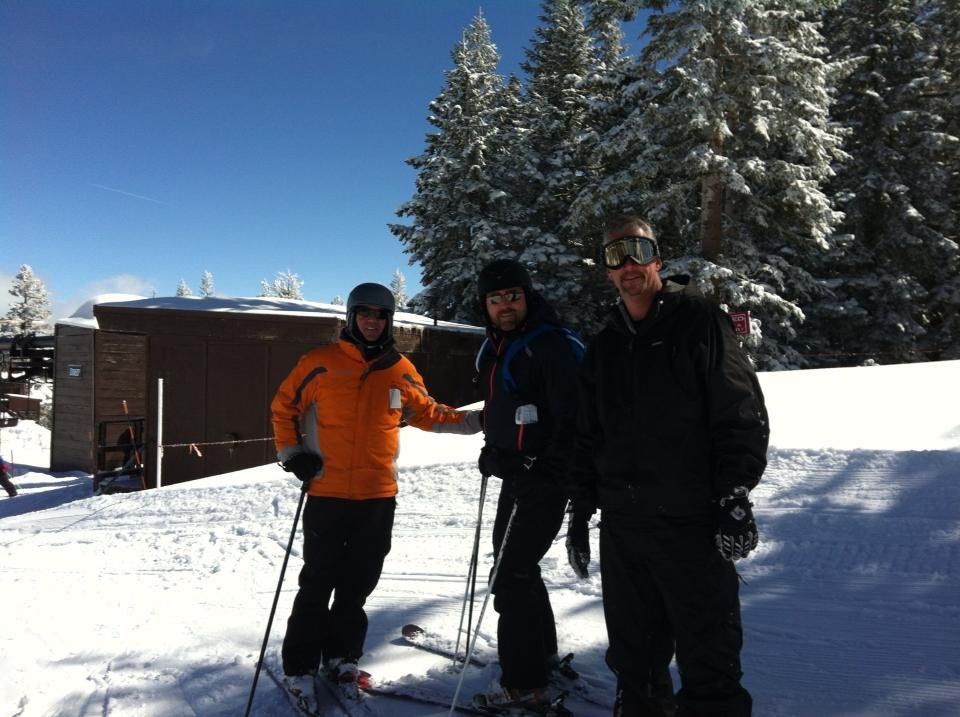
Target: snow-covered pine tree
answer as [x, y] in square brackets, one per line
[892, 273]
[730, 145]
[940, 20]
[206, 284]
[286, 285]
[183, 289]
[615, 182]
[548, 166]
[337, 300]
[398, 287]
[32, 308]
[452, 232]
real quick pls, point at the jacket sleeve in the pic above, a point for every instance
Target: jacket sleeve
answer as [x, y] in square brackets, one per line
[423, 411]
[739, 428]
[289, 406]
[584, 477]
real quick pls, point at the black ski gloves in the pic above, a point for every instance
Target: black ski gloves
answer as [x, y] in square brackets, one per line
[304, 466]
[517, 471]
[494, 462]
[578, 542]
[736, 529]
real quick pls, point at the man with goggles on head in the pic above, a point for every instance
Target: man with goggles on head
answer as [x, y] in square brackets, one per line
[671, 437]
[336, 420]
[526, 369]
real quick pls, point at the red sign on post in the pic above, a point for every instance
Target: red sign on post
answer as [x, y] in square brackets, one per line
[741, 322]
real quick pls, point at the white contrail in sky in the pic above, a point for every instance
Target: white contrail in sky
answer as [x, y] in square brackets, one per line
[127, 194]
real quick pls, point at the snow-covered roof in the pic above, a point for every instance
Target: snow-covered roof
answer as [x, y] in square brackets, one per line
[84, 316]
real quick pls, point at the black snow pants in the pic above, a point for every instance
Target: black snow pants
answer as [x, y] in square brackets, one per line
[344, 546]
[662, 578]
[526, 631]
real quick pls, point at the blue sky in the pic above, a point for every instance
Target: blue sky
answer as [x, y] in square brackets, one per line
[145, 141]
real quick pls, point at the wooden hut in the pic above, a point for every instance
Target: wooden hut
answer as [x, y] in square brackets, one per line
[221, 361]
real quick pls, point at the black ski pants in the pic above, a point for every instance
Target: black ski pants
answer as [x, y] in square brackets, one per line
[526, 631]
[344, 546]
[664, 577]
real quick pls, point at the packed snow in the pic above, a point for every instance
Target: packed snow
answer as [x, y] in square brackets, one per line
[155, 603]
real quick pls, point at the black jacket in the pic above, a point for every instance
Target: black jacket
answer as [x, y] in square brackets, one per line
[544, 374]
[671, 416]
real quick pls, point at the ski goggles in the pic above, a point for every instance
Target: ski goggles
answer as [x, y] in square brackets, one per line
[507, 297]
[641, 249]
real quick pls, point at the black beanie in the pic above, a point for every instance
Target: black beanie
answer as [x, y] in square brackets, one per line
[502, 274]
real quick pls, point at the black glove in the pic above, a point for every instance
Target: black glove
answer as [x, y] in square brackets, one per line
[304, 466]
[578, 543]
[736, 529]
[503, 464]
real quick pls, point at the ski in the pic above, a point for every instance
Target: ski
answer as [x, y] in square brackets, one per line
[416, 636]
[555, 708]
[413, 693]
[348, 705]
[335, 704]
[295, 703]
[563, 677]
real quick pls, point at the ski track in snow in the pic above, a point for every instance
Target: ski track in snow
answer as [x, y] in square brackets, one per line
[850, 604]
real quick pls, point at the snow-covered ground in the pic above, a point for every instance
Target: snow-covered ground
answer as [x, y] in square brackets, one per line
[155, 603]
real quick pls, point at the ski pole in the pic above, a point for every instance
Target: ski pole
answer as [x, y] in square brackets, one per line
[471, 587]
[483, 608]
[276, 597]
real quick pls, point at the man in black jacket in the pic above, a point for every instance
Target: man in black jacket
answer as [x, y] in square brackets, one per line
[527, 370]
[671, 437]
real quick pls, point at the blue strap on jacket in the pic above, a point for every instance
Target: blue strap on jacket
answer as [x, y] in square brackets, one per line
[521, 341]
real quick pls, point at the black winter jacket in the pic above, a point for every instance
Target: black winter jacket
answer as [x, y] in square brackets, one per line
[544, 373]
[671, 416]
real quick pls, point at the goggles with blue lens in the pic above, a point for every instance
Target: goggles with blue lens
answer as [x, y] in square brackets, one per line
[641, 249]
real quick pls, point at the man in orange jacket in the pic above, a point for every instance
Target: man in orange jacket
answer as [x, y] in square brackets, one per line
[336, 420]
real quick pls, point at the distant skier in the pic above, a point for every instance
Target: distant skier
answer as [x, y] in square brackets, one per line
[5, 480]
[336, 420]
[671, 437]
[527, 371]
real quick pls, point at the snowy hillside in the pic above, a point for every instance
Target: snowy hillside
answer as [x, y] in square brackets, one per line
[155, 603]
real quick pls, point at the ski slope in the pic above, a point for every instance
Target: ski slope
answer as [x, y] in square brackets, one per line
[155, 603]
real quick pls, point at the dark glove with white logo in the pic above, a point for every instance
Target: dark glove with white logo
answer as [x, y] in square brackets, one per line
[503, 464]
[304, 466]
[578, 543]
[736, 529]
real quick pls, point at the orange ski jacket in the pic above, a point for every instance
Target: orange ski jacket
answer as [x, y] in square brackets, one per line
[348, 410]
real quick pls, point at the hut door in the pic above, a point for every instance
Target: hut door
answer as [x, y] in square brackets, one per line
[236, 402]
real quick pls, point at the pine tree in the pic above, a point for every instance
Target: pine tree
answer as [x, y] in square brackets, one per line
[725, 145]
[398, 287]
[561, 63]
[183, 289]
[337, 300]
[206, 284]
[286, 285]
[453, 230]
[894, 272]
[940, 22]
[32, 309]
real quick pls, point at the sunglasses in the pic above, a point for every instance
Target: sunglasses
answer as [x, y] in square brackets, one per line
[641, 249]
[365, 312]
[507, 297]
